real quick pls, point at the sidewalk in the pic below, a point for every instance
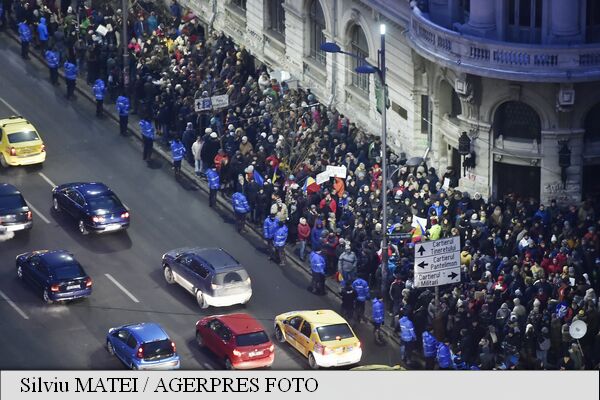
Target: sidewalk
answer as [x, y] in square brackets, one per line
[294, 261]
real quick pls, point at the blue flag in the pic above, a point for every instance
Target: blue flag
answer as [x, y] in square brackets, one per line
[259, 179]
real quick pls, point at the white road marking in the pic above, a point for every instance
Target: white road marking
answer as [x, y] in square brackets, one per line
[12, 304]
[39, 214]
[207, 365]
[11, 108]
[44, 177]
[127, 292]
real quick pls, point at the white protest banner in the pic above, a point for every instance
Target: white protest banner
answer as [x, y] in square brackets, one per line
[336, 172]
[323, 177]
[220, 101]
[202, 104]
[101, 29]
[416, 221]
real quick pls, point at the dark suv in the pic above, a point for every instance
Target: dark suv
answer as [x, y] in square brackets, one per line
[15, 215]
[212, 275]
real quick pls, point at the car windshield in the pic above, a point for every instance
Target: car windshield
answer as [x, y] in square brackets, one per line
[26, 136]
[334, 332]
[231, 277]
[68, 271]
[252, 339]
[11, 201]
[158, 349]
[108, 202]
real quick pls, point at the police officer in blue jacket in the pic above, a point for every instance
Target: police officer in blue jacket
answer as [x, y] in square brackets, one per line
[147, 138]
[429, 349]
[378, 312]
[279, 240]
[177, 152]
[408, 338]
[71, 71]
[42, 30]
[241, 208]
[362, 295]
[52, 61]
[99, 90]
[214, 184]
[123, 110]
[25, 37]
[317, 267]
[444, 356]
[270, 225]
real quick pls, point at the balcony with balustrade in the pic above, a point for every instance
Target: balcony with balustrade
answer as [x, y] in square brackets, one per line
[502, 60]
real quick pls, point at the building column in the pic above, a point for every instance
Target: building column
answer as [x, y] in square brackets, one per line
[565, 24]
[551, 186]
[482, 19]
[294, 40]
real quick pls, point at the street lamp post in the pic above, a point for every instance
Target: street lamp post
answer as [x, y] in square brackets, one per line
[124, 15]
[367, 68]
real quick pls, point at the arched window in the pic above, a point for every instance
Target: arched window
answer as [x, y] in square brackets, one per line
[361, 49]
[276, 16]
[517, 120]
[592, 124]
[317, 26]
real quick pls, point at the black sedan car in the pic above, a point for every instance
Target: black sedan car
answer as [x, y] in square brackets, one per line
[55, 274]
[93, 205]
[15, 215]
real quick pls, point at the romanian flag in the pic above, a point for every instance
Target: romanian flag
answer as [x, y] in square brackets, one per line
[310, 185]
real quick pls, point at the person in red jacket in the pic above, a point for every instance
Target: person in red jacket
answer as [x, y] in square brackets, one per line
[329, 202]
[303, 237]
[329, 245]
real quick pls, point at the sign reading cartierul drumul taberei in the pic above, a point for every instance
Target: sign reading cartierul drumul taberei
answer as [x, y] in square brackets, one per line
[437, 262]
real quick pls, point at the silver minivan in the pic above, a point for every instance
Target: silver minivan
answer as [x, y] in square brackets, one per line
[212, 275]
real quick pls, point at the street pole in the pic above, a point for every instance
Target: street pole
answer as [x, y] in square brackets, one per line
[124, 14]
[384, 242]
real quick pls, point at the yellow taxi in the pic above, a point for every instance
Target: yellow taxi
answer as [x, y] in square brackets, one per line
[20, 144]
[322, 336]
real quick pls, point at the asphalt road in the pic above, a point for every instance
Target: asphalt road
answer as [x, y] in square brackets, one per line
[166, 214]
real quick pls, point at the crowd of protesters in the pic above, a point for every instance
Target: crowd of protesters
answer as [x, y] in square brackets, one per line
[528, 270]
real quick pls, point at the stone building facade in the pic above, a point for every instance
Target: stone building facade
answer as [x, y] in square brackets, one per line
[520, 77]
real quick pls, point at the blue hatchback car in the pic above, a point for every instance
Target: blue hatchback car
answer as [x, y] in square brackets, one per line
[56, 274]
[143, 346]
[93, 205]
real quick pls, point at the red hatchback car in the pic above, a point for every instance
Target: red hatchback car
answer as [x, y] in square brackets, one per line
[237, 339]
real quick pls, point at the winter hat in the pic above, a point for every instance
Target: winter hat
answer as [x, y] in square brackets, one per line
[208, 130]
[213, 135]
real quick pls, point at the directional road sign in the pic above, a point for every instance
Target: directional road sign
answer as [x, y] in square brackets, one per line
[437, 262]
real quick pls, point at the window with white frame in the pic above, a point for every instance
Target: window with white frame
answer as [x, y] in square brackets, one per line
[360, 48]
[317, 26]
